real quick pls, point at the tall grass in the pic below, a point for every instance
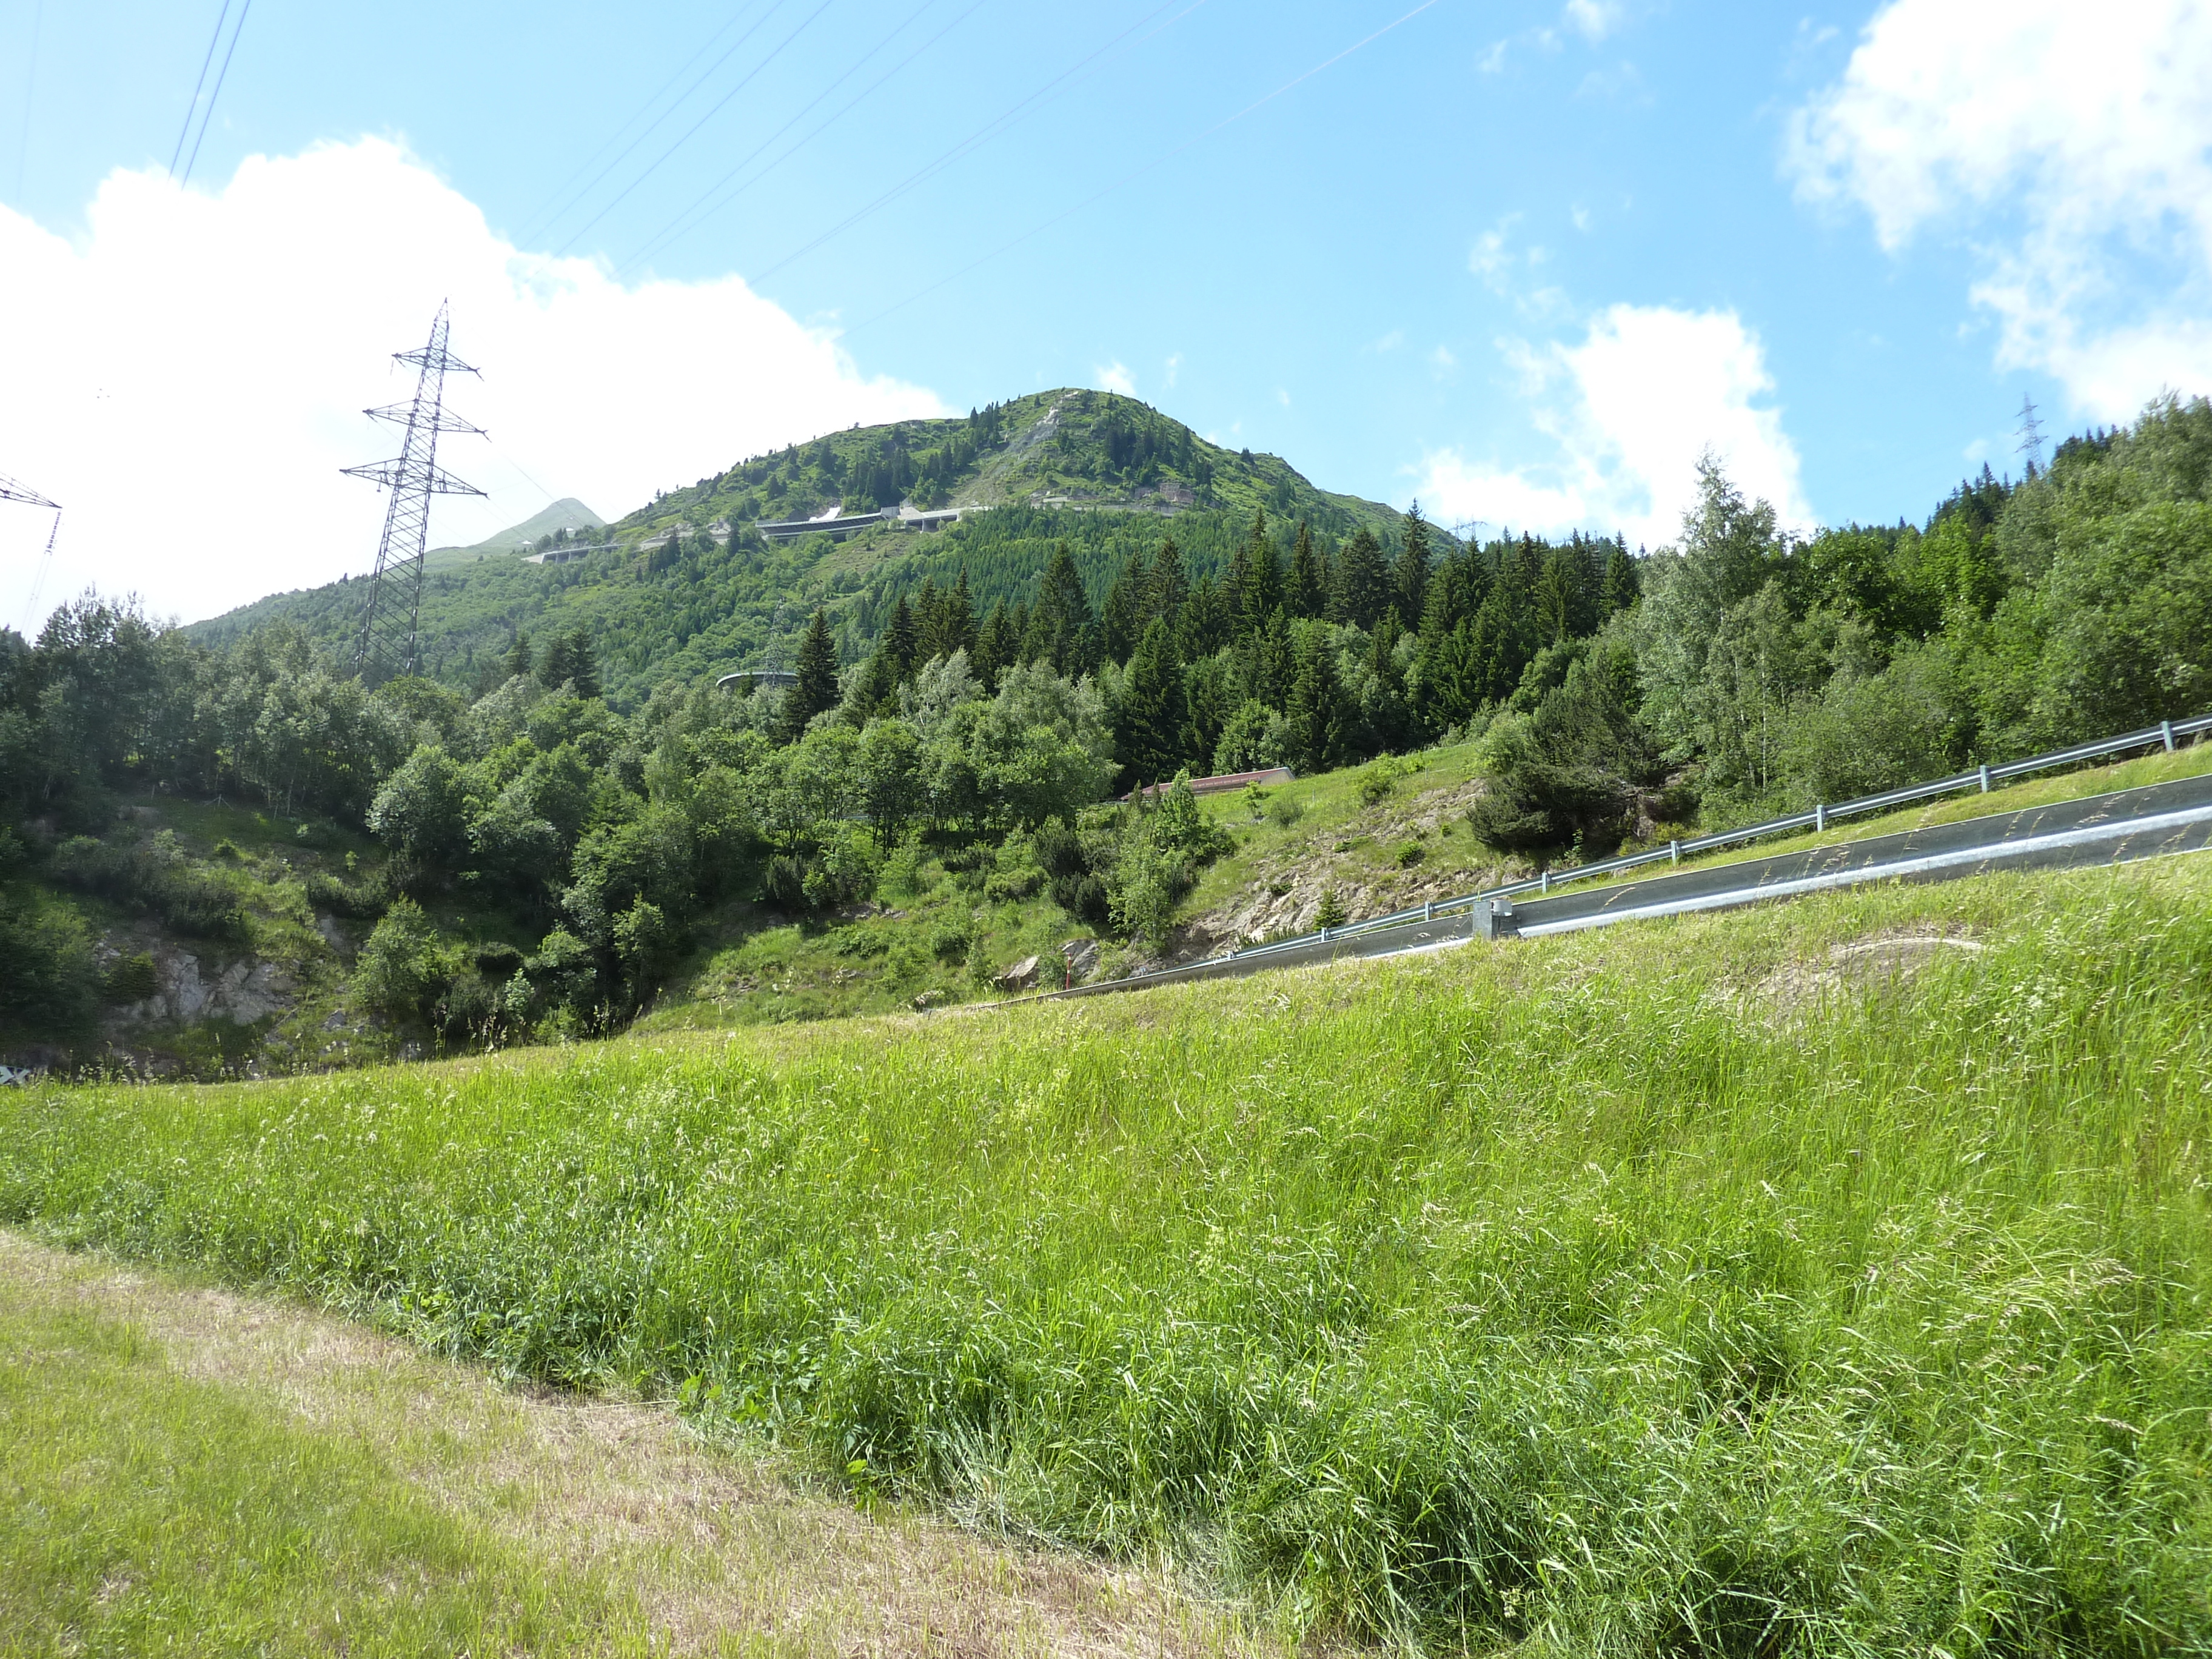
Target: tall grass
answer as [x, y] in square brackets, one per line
[1605, 1294]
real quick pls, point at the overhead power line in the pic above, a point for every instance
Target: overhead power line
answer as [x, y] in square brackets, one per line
[206, 114]
[564, 198]
[1134, 174]
[191, 108]
[701, 208]
[719, 103]
[983, 135]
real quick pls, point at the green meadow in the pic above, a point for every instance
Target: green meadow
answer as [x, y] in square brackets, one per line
[1826, 1279]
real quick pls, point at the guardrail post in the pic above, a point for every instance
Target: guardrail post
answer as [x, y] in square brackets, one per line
[1674, 851]
[1820, 815]
[2166, 730]
[1986, 777]
[1547, 878]
[1428, 910]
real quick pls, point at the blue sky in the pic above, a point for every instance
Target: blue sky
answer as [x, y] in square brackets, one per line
[1524, 260]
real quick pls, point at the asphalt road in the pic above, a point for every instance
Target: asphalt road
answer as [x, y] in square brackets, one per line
[2152, 821]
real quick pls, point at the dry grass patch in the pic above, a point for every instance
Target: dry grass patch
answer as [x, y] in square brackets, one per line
[718, 1547]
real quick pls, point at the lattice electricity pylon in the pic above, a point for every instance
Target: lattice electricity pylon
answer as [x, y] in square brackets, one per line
[389, 618]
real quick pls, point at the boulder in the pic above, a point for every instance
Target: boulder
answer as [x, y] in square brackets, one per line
[1021, 977]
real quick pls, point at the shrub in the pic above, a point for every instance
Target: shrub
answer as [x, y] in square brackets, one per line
[405, 968]
[1332, 912]
[131, 978]
[1285, 811]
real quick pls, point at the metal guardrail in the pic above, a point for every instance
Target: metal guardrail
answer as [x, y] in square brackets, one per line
[2166, 733]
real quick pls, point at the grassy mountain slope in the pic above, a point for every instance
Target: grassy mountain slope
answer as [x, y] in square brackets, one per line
[566, 514]
[1827, 1278]
[1104, 472]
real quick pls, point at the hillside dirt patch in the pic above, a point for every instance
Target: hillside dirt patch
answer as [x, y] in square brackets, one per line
[1283, 893]
[1879, 964]
[720, 1547]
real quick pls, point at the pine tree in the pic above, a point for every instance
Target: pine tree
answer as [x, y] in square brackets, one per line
[518, 656]
[1409, 576]
[816, 688]
[1315, 713]
[1363, 584]
[1148, 718]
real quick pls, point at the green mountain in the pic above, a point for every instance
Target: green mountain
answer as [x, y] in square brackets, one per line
[693, 586]
[567, 514]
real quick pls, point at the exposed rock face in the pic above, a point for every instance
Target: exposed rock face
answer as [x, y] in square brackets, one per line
[245, 992]
[1081, 956]
[1021, 977]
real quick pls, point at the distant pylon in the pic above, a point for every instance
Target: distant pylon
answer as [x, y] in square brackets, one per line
[2031, 436]
[387, 645]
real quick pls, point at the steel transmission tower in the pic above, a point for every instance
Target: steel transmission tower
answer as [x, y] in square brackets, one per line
[11, 491]
[388, 646]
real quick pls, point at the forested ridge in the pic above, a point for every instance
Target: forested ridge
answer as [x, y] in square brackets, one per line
[971, 716]
[688, 586]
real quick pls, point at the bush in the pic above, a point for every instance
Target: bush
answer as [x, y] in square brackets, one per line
[359, 899]
[153, 874]
[1332, 913]
[1285, 811]
[844, 871]
[49, 981]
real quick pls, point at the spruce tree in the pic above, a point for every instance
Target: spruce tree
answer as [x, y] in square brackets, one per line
[1204, 622]
[1622, 585]
[1315, 713]
[816, 688]
[583, 666]
[1409, 576]
[959, 629]
[1122, 616]
[1060, 628]
[1263, 577]
[928, 620]
[902, 640]
[1148, 718]
[996, 641]
[518, 656]
[1363, 584]
[1305, 590]
[1166, 588]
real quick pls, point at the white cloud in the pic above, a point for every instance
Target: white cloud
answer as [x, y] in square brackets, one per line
[1593, 19]
[2073, 144]
[1174, 369]
[1115, 377]
[200, 360]
[1282, 396]
[1443, 360]
[1629, 410]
